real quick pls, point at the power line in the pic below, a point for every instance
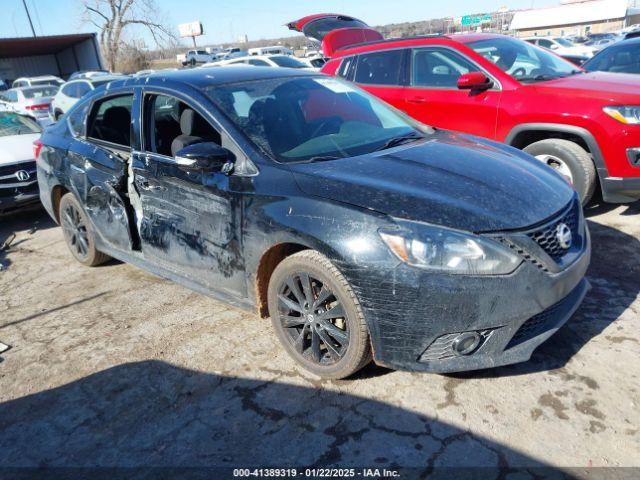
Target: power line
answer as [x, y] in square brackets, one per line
[26, 9]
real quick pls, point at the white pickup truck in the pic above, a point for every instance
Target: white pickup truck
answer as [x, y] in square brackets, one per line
[195, 57]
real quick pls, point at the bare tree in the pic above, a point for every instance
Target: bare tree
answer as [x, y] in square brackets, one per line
[114, 17]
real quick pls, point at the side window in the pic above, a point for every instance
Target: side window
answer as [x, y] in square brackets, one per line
[545, 43]
[438, 68]
[82, 89]
[257, 63]
[346, 68]
[76, 120]
[380, 68]
[171, 125]
[110, 120]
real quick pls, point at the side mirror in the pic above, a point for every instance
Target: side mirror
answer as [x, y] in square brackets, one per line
[474, 81]
[205, 156]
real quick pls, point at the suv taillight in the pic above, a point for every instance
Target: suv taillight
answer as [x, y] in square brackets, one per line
[37, 146]
[38, 106]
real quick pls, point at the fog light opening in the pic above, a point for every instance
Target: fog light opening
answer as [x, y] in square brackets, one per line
[466, 343]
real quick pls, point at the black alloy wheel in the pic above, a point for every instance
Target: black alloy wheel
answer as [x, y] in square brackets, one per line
[78, 233]
[317, 316]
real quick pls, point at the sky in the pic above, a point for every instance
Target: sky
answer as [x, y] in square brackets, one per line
[225, 21]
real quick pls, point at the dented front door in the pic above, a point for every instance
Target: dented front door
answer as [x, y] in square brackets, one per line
[190, 223]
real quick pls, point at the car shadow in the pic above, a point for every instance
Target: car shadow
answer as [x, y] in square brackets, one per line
[32, 219]
[151, 413]
[614, 272]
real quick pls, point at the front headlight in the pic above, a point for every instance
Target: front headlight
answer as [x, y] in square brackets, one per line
[629, 115]
[443, 250]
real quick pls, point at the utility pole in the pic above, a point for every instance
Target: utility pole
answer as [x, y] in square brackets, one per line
[24, 2]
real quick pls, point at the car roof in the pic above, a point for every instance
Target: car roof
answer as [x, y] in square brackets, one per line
[436, 39]
[207, 77]
[40, 77]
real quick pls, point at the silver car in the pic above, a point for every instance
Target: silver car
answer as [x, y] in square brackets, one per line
[29, 101]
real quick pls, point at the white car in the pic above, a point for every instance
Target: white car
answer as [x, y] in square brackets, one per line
[18, 180]
[32, 102]
[37, 81]
[561, 46]
[194, 57]
[316, 61]
[281, 61]
[73, 91]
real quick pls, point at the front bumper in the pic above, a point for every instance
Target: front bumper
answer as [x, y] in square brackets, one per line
[414, 315]
[16, 202]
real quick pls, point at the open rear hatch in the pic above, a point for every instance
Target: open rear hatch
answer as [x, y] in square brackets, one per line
[334, 31]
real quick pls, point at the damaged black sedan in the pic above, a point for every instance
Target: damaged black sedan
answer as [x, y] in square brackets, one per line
[360, 232]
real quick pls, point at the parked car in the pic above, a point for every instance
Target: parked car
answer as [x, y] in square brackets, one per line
[623, 57]
[601, 43]
[29, 101]
[279, 61]
[273, 50]
[74, 90]
[18, 180]
[561, 46]
[194, 57]
[359, 231]
[469, 83]
[88, 74]
[315, 61]
[42, 80]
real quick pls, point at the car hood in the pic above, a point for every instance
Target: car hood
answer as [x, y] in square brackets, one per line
[17, 148]
[605, 85]
[448, 179]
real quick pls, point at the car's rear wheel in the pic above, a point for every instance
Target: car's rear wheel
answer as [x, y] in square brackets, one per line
[57, 115]
[570, 160]
[317, 317]
[78, 234]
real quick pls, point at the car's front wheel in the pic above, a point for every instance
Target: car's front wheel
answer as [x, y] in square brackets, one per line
[570, 160]
[78, 233]
[317, 317]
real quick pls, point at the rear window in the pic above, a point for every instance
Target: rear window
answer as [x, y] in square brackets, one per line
[14, 124]
[380, 68]
[286, 61]
[40, 92]
[51, 81]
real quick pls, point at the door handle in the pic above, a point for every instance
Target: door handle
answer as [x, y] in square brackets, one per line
[417, 100]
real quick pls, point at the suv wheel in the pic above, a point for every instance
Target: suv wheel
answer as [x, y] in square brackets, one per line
[570, 160]
[57, 115]
[317, 317]
[78, 234]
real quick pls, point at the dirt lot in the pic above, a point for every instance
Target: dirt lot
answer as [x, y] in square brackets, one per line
[113, 366]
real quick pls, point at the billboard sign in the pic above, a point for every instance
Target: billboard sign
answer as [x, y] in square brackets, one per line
[193, 29]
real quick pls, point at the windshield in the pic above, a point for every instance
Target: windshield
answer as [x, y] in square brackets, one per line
[14, 124]
[39, 92]
[311, 118]
[286, 61]
[564, 42]
[523, 61]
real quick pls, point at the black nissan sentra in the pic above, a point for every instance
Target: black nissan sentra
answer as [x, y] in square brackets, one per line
[361, 233]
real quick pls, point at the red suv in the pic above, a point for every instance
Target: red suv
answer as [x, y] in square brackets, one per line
[585, 125]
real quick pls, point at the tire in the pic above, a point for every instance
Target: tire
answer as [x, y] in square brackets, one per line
[78, 233]
[343, 338]
[57, 115]
[576, 158]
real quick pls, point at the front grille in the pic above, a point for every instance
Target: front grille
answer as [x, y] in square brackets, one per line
[546, 236]
[539, 323]
[9, 179]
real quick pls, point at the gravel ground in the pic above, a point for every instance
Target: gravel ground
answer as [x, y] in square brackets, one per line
[112, 366]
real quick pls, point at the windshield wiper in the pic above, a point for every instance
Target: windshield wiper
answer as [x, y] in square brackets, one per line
[395, 141]
[323, 158]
